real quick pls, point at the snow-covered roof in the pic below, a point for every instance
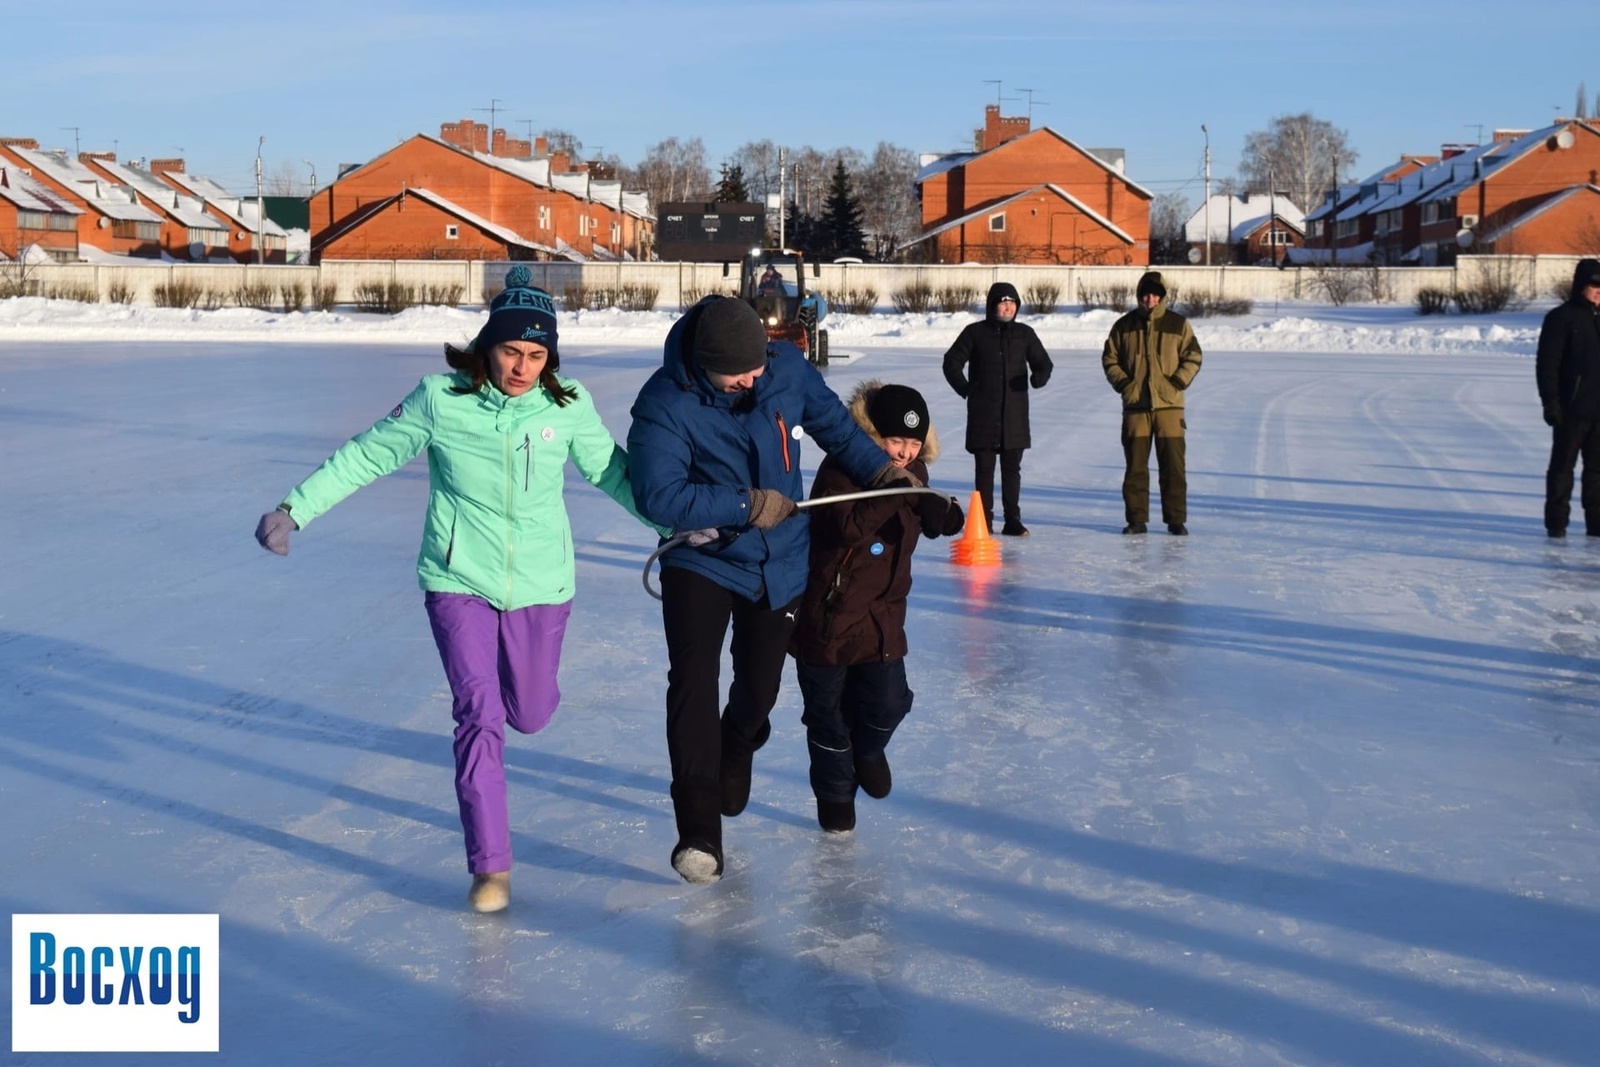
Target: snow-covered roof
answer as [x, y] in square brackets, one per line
[1095, 156]
[241, 210]
[29, 195]
[102, 195]
[188, 210]
[941, 164]
[1471, 167]
[1234, 217]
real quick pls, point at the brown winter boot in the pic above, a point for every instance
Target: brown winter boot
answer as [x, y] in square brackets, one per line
[490, 892]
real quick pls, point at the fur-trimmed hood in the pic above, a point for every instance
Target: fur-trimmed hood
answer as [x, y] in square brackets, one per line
[858, 411]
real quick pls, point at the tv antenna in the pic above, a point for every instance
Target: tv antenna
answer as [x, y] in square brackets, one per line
[998, 99]
[75, 147]
[1478, 126]
[1042, 103]
[494, 106]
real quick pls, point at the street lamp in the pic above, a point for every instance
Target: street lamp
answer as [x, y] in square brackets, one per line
[1207, 134]
[261, 207]
[313, 167]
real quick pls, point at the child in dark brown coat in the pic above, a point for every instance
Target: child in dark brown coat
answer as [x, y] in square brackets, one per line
[850, 641]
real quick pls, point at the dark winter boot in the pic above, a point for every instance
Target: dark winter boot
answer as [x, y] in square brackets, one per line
[873, 775]
[1177, 529]
[1014, 528]
[698, 854]
[1135, 528]
[737, 755]
[836, 816]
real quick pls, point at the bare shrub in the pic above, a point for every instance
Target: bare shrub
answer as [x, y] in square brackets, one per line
[211, 299]
[1117, 298]
[913, 299]
[388, 298]
[293, 296]
[630, 296]
[445, 295]
[1200, 305]
[176, 293]
[853, 301]
[120, 291]
[1431, 301]
[693, 294]
[1494, 289]
[82, 292]
[324, 295]
[1041, 298]
[956, 298]
[1339, 284]
[258, 295]
[1380, 285]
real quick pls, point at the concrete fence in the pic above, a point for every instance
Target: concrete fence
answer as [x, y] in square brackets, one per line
[1537, 279]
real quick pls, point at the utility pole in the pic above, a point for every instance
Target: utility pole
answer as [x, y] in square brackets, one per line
[783, 205]
[1208, 192]
[1333, 212]
[261, 208]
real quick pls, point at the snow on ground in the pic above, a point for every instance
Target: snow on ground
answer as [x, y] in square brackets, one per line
[1316, 785]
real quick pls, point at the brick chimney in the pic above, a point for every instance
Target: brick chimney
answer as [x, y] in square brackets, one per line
[467, 134]
[166, 166]
[997, 131]
[20, 142]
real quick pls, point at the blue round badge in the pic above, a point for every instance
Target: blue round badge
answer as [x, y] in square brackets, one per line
[877, 548]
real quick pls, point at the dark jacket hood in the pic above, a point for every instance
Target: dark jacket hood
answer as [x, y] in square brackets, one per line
[996, 291]
[1586, 269]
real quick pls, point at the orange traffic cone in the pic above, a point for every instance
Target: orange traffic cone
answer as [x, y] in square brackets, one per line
[975, 547]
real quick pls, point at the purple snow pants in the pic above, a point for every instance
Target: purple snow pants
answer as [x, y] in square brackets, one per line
[501, 666]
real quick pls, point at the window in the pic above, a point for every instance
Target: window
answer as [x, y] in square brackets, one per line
[544, 216]
[1275, 237]
[616, 233]
[208, 238]
[1430, 213]
[452, 233]
[997, 223]
[30, 220]
[139, 231]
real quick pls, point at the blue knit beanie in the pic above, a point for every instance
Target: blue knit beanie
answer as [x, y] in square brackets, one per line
[520, 313]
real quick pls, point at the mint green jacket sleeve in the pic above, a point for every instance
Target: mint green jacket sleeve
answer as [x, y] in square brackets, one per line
[390, 444]
[602, 462]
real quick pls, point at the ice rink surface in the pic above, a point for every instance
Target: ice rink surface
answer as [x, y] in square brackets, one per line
[1316, 785]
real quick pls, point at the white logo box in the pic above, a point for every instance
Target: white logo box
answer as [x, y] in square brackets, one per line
[77, 982]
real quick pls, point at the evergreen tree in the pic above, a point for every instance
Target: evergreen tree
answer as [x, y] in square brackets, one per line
[840, 225]
[732, 188]
[803, 232]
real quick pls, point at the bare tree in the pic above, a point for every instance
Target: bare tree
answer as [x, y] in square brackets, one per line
[563, 141]
[675, 170]
[286, 178]
[1168, 213]
[891, 214]
[759, 161]
[1298, 155]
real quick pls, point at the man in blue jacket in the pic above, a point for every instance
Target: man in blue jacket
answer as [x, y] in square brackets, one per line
[715, 448]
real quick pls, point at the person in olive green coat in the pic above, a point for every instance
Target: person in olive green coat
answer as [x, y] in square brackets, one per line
[1151, 358]
[497, 563]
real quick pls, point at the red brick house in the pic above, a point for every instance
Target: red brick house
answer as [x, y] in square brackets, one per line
[188, 231]
[1031, 196]
[31, 214]
[251, 237]
[428, 198]
[110, 216]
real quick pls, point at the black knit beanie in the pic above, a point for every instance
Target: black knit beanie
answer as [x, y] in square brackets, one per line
[729, 338]
[898, 411]
[1150, 282]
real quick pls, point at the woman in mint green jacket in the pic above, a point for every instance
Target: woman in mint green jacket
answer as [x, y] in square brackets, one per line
[496, 564]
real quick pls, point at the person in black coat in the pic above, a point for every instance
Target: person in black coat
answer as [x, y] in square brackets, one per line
[991, 366]
[1568, 371]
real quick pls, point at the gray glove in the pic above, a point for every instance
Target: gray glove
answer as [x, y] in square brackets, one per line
[768, 507]
[891, 477]
[696, 538]
[272, 532]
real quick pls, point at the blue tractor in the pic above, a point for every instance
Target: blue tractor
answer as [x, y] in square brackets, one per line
[773, 281]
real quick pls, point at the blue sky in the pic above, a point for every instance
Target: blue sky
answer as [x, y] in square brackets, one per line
[342, 82]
